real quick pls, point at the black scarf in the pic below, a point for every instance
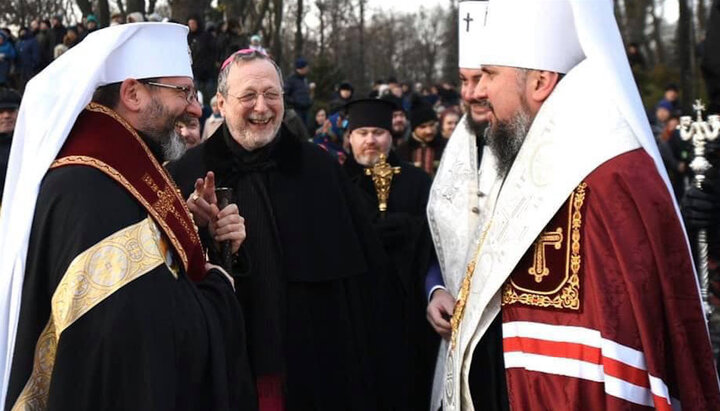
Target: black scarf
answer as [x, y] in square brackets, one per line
[263, 292]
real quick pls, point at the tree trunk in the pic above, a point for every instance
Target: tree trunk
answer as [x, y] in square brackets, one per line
[257, 24]
[139, 5]
[701, 16]
[361, 33]
[277, 43]
[321, 11]
[182, 9]
[103, 13]
[85, 6]
[657, 34]
[298, 30]
[686, 55]
[151, 6]
[121, 7]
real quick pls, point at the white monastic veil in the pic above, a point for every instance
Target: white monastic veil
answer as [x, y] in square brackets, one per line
[52, 101]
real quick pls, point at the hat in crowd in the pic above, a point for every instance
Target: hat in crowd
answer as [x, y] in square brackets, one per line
[255, 37]
[346, 86]
[472, 18]
[395, 101]
[666, 105]
[91, 17]
[9, 98]
[300, 63]
[672, 87]
[370, 112]
[421, 113]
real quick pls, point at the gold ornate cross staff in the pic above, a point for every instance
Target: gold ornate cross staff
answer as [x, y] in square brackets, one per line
[382, 174]
[700, 132]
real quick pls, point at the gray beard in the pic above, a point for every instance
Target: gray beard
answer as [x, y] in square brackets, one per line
[506, 138]
[173, 147]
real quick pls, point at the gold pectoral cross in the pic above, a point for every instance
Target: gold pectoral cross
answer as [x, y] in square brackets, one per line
[382, 174]
[548, 238]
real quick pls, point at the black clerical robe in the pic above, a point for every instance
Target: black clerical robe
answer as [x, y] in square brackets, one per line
[109, 316]
[404, 233]
[317, 303]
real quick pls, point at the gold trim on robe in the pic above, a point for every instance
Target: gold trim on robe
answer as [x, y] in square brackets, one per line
[92, 276]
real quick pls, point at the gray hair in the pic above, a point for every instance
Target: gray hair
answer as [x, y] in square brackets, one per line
[242, 57]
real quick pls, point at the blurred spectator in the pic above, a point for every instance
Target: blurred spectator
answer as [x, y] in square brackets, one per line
[663, 112]
[214, 121]
[7, 56]
[635, 58]
[40, 30]
[229, 40]
[344, 95]
[116, 18]
[297, 90]
[375, 92]
[9, 104]
[448, 95]
[400, 129]
[672, 96]
[423, 149]
[319, 121]
[71, 38]
[28, 59]
[135, 17]
[91, 23]
[448, 121]
[256, 43]
[189, 130]
[57, 30]
[204, 56]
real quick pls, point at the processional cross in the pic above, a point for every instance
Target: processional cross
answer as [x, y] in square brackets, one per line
[382, 174]
[701, 131]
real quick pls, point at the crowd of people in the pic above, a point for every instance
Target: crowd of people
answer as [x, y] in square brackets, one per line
[195, 231]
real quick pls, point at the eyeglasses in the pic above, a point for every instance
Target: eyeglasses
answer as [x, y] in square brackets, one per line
[250, 99]
[190, 92]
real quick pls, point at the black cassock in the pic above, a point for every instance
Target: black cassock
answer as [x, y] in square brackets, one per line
[159, 342]
[404, 233]
[318, 295]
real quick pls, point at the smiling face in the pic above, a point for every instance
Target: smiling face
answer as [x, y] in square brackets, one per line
[368, 143]
[252, 125]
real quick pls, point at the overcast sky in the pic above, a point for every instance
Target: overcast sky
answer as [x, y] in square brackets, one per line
[404, 5]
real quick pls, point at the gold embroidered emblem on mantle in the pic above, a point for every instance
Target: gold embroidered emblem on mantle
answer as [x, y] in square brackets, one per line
[548, 275]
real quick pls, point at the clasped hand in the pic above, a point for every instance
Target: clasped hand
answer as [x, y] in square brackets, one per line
[225, 224]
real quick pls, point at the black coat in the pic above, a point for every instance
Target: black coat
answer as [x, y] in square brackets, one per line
[404, 232]
[338, 345]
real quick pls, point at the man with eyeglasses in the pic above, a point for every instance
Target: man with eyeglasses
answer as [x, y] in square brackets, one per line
[106, 298]
[314, 290]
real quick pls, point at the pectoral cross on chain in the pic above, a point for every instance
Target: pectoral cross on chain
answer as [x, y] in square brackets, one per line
[467, 20]
[548, 238]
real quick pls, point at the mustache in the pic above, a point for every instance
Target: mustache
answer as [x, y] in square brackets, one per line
[482, 103]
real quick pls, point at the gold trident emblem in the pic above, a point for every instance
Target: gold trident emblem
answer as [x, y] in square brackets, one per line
[382, 174]
[548, 238]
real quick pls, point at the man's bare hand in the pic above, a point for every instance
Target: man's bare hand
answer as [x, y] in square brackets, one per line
[439, 311]
[228, 225]
[203, 201]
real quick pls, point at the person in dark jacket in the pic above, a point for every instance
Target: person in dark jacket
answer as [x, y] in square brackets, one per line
[297, 90]
[204, 57]
[28, 61]
[7, 57]
[404, 234]
[9, 104]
